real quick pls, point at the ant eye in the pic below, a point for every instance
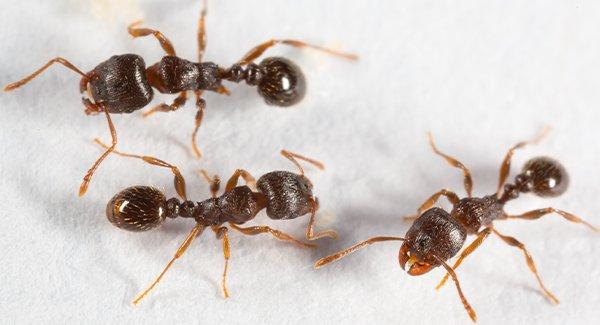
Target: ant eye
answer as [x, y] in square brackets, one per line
[137, 208]
[283, 83]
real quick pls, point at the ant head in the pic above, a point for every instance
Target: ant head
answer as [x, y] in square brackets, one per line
[433, 234]
[282, 83]
[544, 176]
[137, 208]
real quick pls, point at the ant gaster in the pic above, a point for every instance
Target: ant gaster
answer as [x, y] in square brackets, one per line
[284, 195]
[123, 84]
[436, 235]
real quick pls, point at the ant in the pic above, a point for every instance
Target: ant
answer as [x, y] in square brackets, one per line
[436, 235]
[122, 84]
[284, 195]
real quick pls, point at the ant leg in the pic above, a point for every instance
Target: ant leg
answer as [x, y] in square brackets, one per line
[202, 31]
[201, 105]
[255, 230]
[162, 107]
[334, 257]
[17, 84]
[465, 303]
[178, 181]
[88, 177]
[233, 180]
[141, 32]
[536, 214]
[481, 236]
[505, 167]
[197, 230]
[451, 196]
[310, 235]
[468, 181]
[294, 156]
[258, 50]
[514, 242]
[214, 183]
[222, 233]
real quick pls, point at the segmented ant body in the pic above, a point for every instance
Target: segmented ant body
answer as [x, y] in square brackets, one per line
[123, 84]
[436, 235]
[284, 195]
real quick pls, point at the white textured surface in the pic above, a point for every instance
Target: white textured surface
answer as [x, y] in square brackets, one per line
[480, 74]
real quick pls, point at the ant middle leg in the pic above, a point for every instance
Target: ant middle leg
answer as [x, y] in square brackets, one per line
[515, 243]
[178, 181]
[451, 196]
[258, 50]
[214, 183]
[233, 180]
[505, 167]
[536, 214]
[294, 157]
[201, 105]
[202, 31]
[310, 235]
[468, 181]
[255, 230]
[162, 107]
[481, 236]
[135, 31]
[67, 64]
[197, 230]
[88, 176]
[223, 234]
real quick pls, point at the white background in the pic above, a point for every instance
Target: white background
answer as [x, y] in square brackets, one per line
[480, 75]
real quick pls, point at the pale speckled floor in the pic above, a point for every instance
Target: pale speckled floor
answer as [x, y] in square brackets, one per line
[480, 74]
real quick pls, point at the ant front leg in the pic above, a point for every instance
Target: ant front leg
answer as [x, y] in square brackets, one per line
[310, 235]
[294, 157]
[505, 167]
[481, 236]
[468, 181]
[162, 107]
[256, 230]
[233, 180]
[334, 257]
[222, 233]
[178, 181]
[141, 32]
[258, 50]
[451, 196]
[88, 177]
[515, 243]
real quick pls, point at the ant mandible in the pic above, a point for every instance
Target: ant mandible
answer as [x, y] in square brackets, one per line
[284, 195]
[436, 235]
[123, 84]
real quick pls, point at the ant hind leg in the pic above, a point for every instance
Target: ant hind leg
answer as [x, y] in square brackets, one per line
[258, 50]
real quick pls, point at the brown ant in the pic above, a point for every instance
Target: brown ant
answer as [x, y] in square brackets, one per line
[123, 84]
[284, 195]
[436, 235]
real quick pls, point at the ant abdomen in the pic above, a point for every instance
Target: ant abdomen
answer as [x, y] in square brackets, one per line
[120, 84]
[282, 83]
[288, 195]
[137, 208]
[545, 176]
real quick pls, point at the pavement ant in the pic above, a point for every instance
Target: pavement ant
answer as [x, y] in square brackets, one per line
[123, 84]
[436, 235]
[284, 195]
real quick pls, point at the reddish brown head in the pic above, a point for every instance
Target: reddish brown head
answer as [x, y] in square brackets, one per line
[433, 234]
